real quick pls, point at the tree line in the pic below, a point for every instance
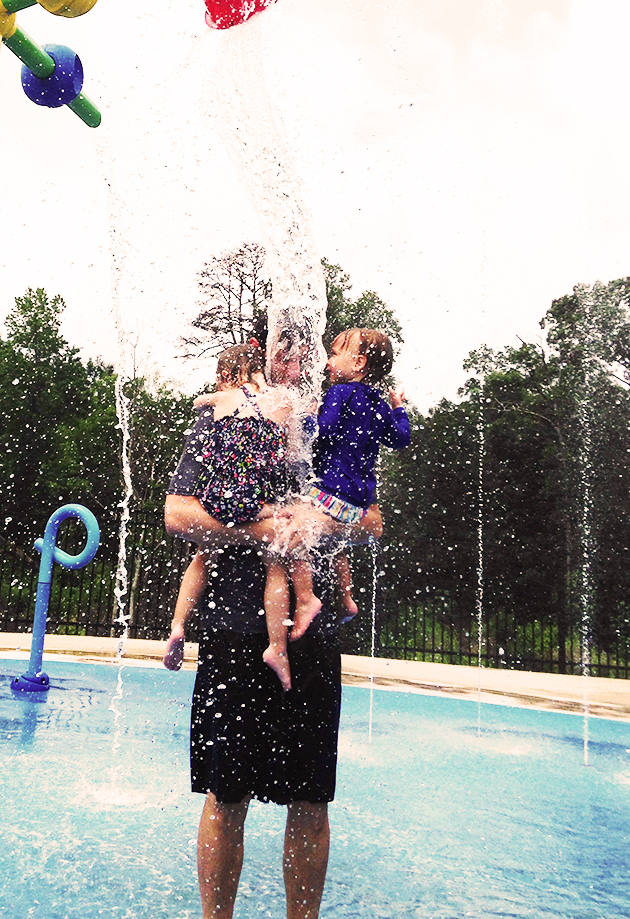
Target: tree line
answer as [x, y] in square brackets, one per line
[60, 440]
[517, 495]
[60, 437]
[513, 497]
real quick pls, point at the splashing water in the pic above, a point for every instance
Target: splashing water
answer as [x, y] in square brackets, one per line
[373, 543]
[117, 251]
[122, 578]
[586, 297]
[252, 132]
[251, 129]
[481, 446]
[236, 100]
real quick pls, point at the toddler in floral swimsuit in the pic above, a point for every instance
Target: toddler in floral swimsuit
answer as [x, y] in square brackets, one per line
[244, 470]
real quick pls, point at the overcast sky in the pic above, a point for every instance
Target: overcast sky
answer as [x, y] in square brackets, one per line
[466, 159]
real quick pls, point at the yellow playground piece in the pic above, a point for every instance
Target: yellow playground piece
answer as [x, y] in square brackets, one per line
[7, 23]
[67, 8]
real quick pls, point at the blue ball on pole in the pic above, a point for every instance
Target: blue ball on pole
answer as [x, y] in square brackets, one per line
[62, 86]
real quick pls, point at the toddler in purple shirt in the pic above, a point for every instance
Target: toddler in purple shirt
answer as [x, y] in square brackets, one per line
[353, 422]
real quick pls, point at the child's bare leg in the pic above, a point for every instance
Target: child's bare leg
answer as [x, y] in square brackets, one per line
[276, 612]
[344, 584]
[192, 586]
[307, 605]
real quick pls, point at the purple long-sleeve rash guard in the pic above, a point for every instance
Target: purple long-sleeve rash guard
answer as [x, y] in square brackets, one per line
[353, 422]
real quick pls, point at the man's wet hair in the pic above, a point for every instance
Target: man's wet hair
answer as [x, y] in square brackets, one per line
[290, 333]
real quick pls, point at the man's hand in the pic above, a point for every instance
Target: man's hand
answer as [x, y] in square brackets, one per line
[302, 526]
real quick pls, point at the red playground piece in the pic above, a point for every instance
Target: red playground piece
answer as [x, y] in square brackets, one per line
[223, 14]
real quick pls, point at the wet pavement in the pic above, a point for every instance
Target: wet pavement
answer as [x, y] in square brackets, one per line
[608, 698]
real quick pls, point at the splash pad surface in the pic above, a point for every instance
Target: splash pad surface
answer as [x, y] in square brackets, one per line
[450, 810]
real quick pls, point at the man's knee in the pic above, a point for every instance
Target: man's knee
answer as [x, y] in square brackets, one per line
[225, 816]
[307, 818]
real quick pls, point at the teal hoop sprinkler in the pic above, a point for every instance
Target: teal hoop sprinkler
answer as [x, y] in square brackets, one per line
[52, 75]
[34, 680]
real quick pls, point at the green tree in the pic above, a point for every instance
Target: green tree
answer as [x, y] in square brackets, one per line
[86, 466]
[367, 311]
[43, 386]
[158, 420]
[537, 447]
[60, 436]
[558, 420]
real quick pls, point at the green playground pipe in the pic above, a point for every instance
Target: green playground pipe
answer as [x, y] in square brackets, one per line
[35, 58]
[14, 6]
[86, 110]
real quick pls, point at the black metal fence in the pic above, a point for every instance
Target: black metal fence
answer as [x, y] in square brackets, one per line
[437, 628]
[86, 602]
[442, 631]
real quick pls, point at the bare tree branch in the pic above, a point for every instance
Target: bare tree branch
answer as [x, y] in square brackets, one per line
[235, 296]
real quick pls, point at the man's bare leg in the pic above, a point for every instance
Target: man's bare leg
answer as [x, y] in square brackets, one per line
[220, 856]
[306, 845]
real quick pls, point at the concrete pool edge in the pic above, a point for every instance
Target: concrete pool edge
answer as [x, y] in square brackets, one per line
[607, 698]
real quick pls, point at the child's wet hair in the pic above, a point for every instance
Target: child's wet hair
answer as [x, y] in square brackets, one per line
[239, 364]
[378, 351]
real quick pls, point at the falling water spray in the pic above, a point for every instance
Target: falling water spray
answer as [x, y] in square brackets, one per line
[479, 587]
[122, 580]
[373, 543]
[586, 298]
[117, 251]
[252, 131]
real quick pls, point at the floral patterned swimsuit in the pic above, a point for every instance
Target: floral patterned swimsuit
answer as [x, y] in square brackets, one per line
[244, 466]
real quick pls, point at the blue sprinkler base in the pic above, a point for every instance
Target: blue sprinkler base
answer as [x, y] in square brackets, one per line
[29, 683]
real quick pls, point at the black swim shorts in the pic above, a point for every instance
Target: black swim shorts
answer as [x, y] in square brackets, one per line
[249, 737]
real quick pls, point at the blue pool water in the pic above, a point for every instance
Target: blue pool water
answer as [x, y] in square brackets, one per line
[436, 817]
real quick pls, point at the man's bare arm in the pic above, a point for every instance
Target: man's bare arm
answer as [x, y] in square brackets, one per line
[206, 400]
[185, 517]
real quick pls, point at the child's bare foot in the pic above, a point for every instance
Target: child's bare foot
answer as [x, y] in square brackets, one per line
[347, 608]
[174, 654]
[305, 612]
[279, 662]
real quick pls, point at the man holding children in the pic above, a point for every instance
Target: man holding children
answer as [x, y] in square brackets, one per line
[265, 713]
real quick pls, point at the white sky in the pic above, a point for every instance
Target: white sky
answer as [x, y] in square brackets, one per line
[466, 159]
